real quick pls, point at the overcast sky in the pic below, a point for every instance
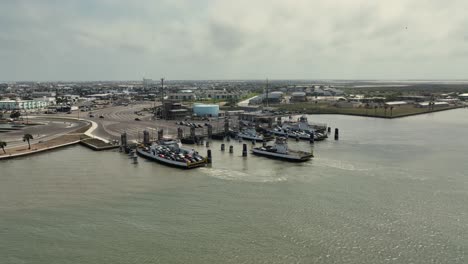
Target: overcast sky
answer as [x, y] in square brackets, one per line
[227, 39]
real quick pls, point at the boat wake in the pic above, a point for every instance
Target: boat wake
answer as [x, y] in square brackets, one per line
[337, 164]
[232, 175]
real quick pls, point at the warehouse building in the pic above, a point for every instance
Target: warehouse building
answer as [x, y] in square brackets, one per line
[298, 97]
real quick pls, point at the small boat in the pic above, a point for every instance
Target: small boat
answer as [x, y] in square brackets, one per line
[171, 153]
[280, 150]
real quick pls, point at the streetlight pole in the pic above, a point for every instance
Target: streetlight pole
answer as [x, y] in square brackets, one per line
[163, 108]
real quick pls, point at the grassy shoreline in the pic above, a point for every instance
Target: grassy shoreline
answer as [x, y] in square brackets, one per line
[397, 112]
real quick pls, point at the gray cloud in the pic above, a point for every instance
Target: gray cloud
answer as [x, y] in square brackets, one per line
[98, 39]
[226, 37]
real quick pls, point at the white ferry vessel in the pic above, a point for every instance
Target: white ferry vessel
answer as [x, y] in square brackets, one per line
[280, 150]
[172, 154]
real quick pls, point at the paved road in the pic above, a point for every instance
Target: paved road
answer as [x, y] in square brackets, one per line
[119, 119]
[50, 129]
[245, 103]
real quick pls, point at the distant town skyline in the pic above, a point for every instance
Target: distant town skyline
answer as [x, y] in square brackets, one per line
[233, 40]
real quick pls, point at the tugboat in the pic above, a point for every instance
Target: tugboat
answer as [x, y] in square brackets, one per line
[251, 134]
[170, 153]
[280, 151]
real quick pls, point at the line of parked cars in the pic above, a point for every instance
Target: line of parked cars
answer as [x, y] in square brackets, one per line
[184, 123]
[176, 154]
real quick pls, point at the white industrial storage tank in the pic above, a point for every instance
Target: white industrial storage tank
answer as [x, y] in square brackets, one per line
[206, 110]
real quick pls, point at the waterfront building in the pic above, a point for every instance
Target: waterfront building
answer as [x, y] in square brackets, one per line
[22, 104]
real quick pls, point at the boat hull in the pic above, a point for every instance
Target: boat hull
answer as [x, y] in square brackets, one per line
[286, 157]
[171, 163]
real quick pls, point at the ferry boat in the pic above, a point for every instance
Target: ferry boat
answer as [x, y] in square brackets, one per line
[251, 134]
[280, 150]
[170, 153]
[302, 124]
[304, 135]
[301, 129]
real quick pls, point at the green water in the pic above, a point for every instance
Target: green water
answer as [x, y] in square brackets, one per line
[389, 191]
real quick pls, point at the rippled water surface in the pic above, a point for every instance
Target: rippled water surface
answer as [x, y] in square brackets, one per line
[389, 191]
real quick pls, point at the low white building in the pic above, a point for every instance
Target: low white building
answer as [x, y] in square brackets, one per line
[436, 104]
[22, 104]
[396, 103]
[463, 96]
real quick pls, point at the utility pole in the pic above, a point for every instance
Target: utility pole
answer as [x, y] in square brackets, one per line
[267, 92]
[27, 118]
[163, 107]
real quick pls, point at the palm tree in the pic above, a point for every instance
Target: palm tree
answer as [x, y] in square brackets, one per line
[3, 144]
[28, 137]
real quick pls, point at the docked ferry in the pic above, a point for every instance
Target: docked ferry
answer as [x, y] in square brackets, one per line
[251, 134]
[171, 153]
[301, 134]
[280, 150]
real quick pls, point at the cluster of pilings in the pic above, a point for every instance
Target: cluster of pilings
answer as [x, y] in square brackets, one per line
[231, 149]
